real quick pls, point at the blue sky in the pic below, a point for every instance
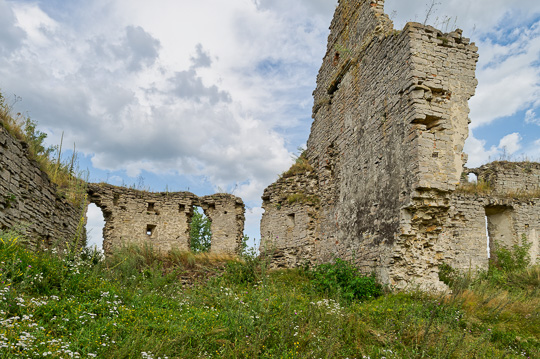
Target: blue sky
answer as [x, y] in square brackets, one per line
[213, 95]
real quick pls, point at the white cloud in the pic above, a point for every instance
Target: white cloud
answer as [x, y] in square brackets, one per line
[475, 148]
[11, 35]
[533, 151]
[474, 17]
[510, 144]
[509, 77]
[530, 117]
[160, 90]
[252, 223]
[478, 154]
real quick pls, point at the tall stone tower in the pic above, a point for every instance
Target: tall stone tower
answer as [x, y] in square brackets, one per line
[385, 151]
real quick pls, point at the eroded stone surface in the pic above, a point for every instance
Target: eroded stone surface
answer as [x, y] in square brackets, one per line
[29, 200]
[162, 219]
[390, 122]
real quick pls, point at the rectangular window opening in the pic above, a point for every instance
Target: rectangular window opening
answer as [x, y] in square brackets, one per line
[291, 220]
[150, 229]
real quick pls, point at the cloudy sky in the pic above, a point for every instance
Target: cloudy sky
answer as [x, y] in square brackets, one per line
[214, 95]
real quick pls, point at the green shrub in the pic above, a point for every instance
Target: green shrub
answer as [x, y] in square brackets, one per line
[447, 274]
[513, 259]
[343, 279]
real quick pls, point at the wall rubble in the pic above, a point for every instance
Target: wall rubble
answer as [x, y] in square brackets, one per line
[163, 219]
[386, 144]
[29, 200]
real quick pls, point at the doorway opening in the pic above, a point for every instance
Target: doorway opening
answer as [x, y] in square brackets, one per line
[498, 228]
[200, 232]
[94, 227]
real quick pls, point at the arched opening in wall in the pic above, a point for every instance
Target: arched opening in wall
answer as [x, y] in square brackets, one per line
[472, 178]
[499, 228]
[94, 227]
[200, 233]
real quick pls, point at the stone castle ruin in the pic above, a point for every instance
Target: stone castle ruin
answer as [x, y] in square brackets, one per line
[163, 219]
[381, 181]
[30, 202]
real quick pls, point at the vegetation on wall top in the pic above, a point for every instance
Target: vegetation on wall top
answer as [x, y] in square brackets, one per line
[65, 174]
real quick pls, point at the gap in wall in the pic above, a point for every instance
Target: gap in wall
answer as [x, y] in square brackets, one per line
[200, 233]
[94, 227]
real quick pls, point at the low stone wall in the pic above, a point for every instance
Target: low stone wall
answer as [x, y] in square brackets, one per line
[162, 219]
[473, 218]
[29, 201]
[510, 178]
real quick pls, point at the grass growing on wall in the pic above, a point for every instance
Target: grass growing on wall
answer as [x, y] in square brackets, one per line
[133, 305]
[64, 173]
[301, 165]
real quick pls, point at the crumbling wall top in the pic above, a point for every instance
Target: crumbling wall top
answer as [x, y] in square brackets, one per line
[163, 219]
[505, 177]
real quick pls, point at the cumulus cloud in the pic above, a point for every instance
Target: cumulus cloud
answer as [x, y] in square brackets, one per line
[222, 89]
[533, 151]
[160, 91]
[474, 17]
[478, 154]
[508, 75]
[94, 226]
[510, 144]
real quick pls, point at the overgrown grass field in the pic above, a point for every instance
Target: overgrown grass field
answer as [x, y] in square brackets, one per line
[139, 304]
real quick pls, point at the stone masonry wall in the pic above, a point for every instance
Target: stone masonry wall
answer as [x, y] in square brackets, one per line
[162, 219]
[390, 121]
[475, 217]
[505, 212]
[29, 201]
[510, 177]
[292, 210]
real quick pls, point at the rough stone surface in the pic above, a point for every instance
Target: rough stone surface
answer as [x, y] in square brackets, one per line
[29, 200]
[390, 122]
[162, 219]
[510, 178]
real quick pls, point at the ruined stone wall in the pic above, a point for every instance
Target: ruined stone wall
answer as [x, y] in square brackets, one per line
[390, 121]
[513, 178]
[162, 219]
[473, 217]
[505, 207]
[291, 220]
[30, 202]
